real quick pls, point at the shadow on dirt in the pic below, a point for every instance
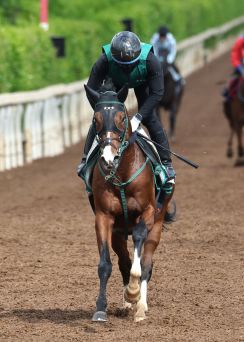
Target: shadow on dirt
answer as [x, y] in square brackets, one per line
[57, 316]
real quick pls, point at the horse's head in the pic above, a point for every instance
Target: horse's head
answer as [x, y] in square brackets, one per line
[111, 122]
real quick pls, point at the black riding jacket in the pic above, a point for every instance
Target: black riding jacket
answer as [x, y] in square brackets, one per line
[148, 95]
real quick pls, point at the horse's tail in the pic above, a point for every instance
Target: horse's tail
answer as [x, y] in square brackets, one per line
[170, 215]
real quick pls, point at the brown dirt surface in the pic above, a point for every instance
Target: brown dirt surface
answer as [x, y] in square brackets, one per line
[48, 251]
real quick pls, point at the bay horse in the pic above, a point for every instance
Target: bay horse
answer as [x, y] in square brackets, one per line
[235, 117]
[124, 203]
[173, 93]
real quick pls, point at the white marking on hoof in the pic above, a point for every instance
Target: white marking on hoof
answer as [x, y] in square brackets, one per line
[140, 313]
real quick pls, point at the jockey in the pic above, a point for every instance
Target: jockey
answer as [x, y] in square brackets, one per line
[128, 61]
[237, 61]
[164, 40]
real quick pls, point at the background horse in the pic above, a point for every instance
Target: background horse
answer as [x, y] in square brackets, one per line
[124, 203]
[235, 116]
[173, 93]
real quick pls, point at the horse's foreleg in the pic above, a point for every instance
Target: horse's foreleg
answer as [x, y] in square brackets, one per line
[150, 246]
[139, 234]
[119, 245]
[103, 232]
[229, 152]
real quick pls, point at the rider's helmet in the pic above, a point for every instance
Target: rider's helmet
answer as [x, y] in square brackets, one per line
[125, 48]
[163, 31]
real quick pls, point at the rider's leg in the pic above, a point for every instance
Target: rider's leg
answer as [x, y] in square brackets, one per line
[158, 134]
[156, 131]
[88, 144]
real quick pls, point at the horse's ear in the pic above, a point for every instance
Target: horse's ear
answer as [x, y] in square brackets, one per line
[92, 95]
[122, 94]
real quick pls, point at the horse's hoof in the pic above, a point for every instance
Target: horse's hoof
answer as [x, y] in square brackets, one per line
[127, 305]
[99, 316]
[140, 314]
[239, 161]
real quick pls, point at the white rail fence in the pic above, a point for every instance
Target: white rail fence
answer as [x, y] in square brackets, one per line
[45, 122]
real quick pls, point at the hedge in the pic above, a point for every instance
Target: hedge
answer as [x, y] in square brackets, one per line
[27, 58]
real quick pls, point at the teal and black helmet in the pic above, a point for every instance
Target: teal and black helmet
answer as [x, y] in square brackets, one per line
[125, 47]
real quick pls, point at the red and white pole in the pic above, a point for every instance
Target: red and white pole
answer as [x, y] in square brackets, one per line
[44, 14]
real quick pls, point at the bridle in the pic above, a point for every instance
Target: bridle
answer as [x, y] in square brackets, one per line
[108, 109]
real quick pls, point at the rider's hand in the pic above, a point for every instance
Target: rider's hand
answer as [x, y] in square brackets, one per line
[135, 121]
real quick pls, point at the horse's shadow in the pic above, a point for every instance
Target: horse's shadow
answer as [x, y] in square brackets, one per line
[56, 316]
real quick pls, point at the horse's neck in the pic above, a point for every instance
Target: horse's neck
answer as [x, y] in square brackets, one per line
[241, 86]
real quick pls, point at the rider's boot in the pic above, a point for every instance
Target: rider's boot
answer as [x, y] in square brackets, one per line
[167, 176]
[166, 172]
[88, 144]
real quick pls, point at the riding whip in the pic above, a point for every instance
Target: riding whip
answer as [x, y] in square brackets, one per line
[185, 160]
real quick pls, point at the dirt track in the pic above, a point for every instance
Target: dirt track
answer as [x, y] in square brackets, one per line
[48, 252]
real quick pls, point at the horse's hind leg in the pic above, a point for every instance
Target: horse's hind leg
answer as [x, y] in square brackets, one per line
[139, 234]
[119, 245]
[229, 152]
[103, 231]
[240, 160]
[150, 246]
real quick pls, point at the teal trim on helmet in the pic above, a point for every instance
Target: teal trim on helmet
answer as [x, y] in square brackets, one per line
[137, 76]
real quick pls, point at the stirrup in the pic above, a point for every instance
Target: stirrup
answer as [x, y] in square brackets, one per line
[166, 174]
